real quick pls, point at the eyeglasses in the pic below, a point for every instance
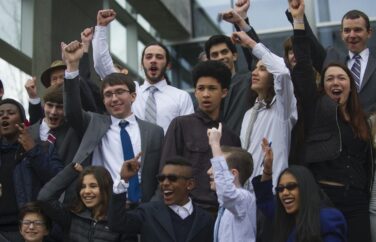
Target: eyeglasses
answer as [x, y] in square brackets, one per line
[289, 186]
[171, 177]
[117, 92]
[36, 223]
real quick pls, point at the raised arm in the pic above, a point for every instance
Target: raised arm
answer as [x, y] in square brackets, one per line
[77, 118]
[51, 192]
[35, 106]
[103, 63]
[284, 90]
[232, 198]
[295, 14]
[303, 74]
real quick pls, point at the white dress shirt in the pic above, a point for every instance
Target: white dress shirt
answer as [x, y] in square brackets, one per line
[183, 211]
[238, 222]
[43, 130]
[275, 123]
[171, 102]
[363, 63]
[109, 152]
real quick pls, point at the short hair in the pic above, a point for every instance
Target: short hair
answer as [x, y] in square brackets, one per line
[179, 161]
[118, 79]
[35, 207]
[105, 183]
[216, 40]
[168, 58]
[19, 106]
[215, 69]
[54, 94]
[240, 160]
[354, 14]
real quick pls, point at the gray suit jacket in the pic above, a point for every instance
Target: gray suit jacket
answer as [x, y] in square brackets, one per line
[95, 126]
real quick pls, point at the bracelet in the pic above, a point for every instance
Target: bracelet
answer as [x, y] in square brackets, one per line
[268, 174]
[298, 21]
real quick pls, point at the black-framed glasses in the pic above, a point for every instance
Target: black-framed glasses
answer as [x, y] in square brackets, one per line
[117, 92]
[289, 186]
[35, 223]
[171, 177]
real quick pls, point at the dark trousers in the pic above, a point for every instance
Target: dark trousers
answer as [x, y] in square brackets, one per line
[354, 204]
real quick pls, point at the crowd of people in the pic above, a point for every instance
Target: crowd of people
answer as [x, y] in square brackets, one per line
[283, 152]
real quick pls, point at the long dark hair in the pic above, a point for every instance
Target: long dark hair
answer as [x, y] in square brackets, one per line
[353, 106]
[307, 219]
[105, 182]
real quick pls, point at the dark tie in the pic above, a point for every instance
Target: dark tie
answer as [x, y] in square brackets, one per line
[355, 69]
[134, 192]
[151, 106]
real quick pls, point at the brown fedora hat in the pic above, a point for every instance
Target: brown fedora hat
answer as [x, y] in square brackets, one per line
[46, 75]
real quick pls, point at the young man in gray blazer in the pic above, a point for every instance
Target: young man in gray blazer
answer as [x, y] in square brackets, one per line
[102, 143]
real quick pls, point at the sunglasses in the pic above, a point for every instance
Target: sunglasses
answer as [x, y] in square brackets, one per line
[289, 186]
[171, 177]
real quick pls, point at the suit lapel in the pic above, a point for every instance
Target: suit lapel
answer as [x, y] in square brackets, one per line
[144, 133]
[162, 215]
[370, 68]
[199, 221]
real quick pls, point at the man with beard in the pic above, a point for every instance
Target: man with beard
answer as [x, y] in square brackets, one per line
[157, 102]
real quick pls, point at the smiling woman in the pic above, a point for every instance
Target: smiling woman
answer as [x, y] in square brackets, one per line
[93, 189]
[337, 146]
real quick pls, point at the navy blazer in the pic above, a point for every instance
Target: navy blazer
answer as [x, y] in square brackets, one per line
[153, 221]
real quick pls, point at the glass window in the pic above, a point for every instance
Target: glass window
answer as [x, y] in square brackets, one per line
[14, 80]
[331, 10]
[140, 48]
[118, 40]
[10, 22]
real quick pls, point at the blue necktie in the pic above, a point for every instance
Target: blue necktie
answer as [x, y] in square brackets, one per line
[134, 192]
[221, 210]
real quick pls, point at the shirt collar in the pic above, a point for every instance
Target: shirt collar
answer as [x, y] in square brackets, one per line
[364, 54]
[188, 207]
[205, 117]
[161, 85]
[131, 119]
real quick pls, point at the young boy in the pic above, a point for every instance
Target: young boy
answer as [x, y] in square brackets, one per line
[186, 135]
[231, 168]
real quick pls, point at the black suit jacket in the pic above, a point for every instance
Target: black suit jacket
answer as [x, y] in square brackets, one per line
[152, 220]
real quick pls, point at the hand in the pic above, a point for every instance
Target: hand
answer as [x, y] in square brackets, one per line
[232, 17]
[72, 54]
[241, 7]
[78, 167]
[243, 39]
[31, 87]
[86, 38]
[105, 16]
[130, 167]
[24, 137]
[268, 156]
[296, 8]
[215, 135]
